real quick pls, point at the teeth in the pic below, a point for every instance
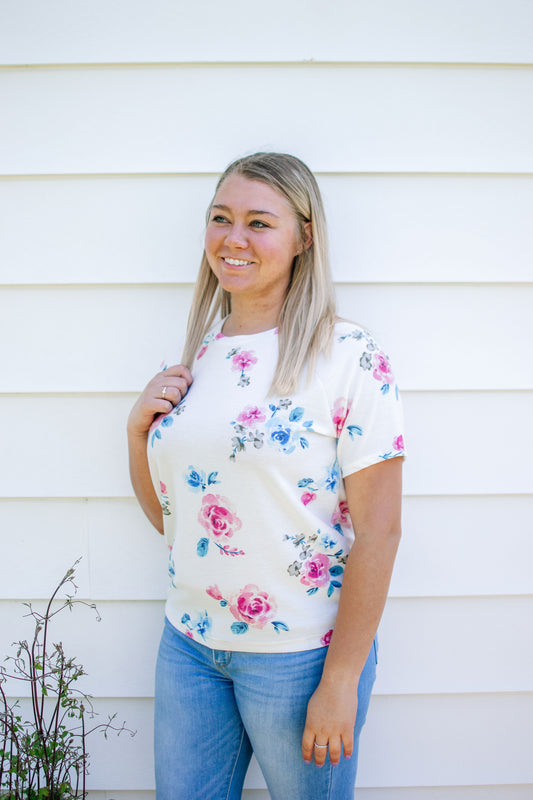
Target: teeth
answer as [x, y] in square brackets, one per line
[235, 262]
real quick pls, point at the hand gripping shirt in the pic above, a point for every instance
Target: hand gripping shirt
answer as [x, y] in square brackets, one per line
[251, 487]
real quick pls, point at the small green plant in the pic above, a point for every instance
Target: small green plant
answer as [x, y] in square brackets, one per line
[45, 757]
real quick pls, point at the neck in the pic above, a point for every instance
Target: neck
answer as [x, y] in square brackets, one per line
[243, 320]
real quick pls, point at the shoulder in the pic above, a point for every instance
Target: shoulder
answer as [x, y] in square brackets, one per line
[351, 341]
[355, 357]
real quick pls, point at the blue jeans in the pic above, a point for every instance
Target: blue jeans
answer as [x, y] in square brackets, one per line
[213, 708]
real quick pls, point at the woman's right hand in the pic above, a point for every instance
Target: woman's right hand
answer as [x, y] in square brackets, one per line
[153, 400]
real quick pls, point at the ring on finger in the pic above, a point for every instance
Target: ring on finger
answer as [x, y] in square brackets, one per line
[321, 746]
[163, 392]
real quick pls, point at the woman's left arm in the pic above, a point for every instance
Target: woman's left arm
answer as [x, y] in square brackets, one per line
[374, 501]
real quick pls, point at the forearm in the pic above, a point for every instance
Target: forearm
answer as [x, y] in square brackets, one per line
[362, 599]
[142, 482]
[374, 501]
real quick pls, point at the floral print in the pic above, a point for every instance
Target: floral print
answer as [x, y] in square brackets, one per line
[382, 371]
[328, 482]
[218, 517]
[165, 502]
[339, 415]
[165, 421]
[373, 359]
[308, 497]
[340, 411]
[314, 568]
[251, 607]
[171, 568]
[197, 480]
[282, 430]
[341, 518]
[242, 361]
[398, 448]
[221, 522]
[217, 496]
[211, 337]
[201, 624]
[326, 639]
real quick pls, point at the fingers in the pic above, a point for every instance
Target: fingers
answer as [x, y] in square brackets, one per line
[308, 741]
[171, 384]
[160, 396]
[319, 746]
[347, 743]
[179, 371]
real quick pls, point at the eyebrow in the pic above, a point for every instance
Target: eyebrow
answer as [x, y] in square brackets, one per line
[251, 211]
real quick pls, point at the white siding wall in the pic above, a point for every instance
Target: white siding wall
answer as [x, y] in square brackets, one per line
[115, 119]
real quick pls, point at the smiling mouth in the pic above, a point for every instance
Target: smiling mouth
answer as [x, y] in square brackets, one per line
[236, 262]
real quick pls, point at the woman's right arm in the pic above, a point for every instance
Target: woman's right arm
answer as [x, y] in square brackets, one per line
[177, 380]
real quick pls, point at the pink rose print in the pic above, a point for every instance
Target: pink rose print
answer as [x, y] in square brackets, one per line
[326, 639]
[243, 360]
[202, 351]
[315, 572]
[341, 515]
[219, 336]
[398, 443]
[252, 606]
[307, 498]
[218, 517]
[382, 371]
[163, 487]
[340, 411]
[189, 634]
[214, 592]
[251, 415]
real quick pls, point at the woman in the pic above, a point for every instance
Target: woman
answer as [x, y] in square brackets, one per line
[271, 460]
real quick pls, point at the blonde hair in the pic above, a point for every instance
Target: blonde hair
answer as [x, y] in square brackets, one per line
[308, 313]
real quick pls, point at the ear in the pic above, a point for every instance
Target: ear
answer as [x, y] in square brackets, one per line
[307, 235]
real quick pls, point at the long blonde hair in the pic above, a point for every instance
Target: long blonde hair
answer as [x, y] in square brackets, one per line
[308, 313]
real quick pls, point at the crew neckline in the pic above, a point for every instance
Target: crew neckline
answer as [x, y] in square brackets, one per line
[222, 335]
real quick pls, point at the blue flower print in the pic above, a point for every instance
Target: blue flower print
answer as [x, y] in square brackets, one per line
[171, 569]
[201, 624]
[329, 482]
[197, 479]
[284, 430]
[165, 422]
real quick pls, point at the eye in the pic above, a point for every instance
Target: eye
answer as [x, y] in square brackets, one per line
[218, 218]
[258, 223]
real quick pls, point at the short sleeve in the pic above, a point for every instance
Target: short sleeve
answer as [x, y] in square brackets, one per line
[367, 412]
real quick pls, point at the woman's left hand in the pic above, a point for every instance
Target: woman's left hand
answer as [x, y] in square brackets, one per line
[331, 714]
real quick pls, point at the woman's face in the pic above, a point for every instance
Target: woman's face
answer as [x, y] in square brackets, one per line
[251, 240]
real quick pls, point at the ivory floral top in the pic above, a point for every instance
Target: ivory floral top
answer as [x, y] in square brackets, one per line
[251, 487]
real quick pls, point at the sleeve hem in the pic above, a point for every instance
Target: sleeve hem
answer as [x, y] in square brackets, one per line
[369, 461]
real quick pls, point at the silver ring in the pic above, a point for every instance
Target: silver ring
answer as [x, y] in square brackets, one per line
[163, 392]
[321, 746]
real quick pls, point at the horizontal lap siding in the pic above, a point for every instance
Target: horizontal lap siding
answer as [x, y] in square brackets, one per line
[428, 645]
[383, 228]
[346, 30]
[455, 725]
[439, 338]
[458, 546]
[426, 170]
[162, 118]
[78, 444]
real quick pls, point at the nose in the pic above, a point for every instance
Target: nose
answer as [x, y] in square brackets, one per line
[236, 236]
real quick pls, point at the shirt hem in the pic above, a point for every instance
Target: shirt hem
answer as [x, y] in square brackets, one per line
[236, 645]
